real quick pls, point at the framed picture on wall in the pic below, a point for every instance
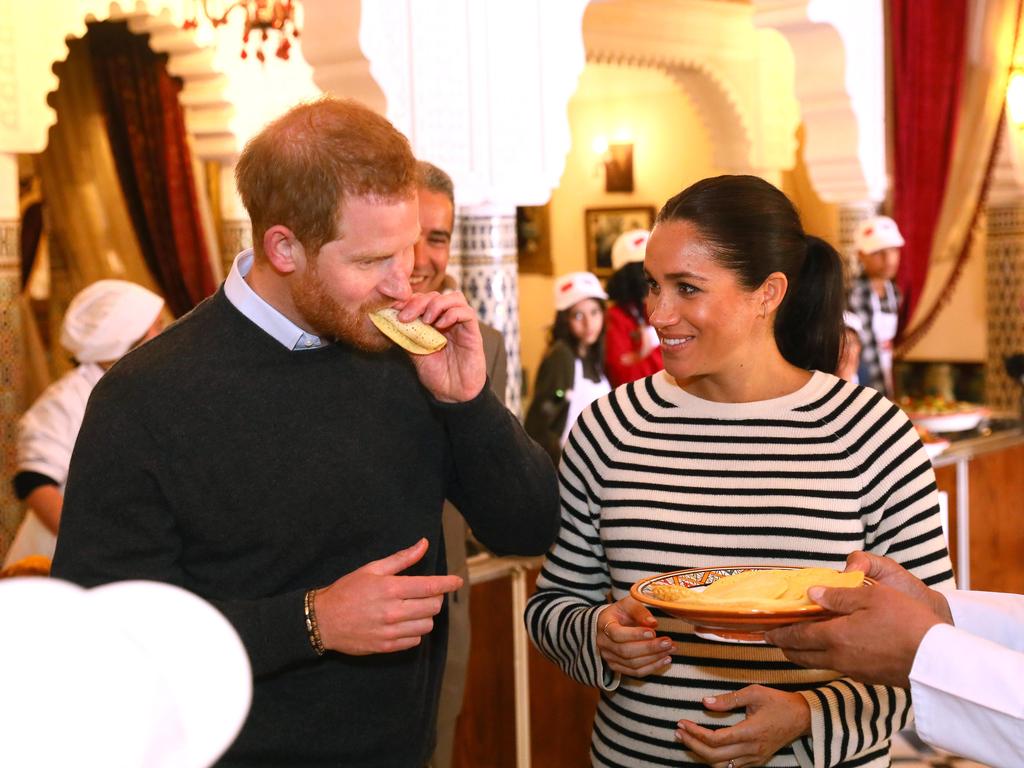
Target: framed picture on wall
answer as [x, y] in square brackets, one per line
[533, 239]
[603, 225]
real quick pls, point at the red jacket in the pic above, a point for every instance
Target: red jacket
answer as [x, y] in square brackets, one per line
[623, 341]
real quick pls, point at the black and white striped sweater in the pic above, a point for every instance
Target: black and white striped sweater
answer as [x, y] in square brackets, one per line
[654, 479]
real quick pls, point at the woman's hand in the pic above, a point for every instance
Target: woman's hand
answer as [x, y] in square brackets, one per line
[774, 719]
[627, 640]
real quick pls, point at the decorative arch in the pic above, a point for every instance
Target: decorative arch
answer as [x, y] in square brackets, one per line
[842, 106]
[717, 104]
[724, 64]
[208, 111]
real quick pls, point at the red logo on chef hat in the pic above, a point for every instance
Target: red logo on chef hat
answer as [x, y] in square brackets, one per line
[567, 286]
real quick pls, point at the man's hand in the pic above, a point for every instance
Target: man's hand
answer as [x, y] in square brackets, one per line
[627, 642]
[874, 639]
[887, 571]
[774, 719]
[374, 610]
[459, 371]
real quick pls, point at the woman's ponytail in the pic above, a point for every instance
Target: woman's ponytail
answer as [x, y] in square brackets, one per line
[809, 323]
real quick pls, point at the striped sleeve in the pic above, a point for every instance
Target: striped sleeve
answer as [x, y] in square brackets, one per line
[900, 509]
[573, 585]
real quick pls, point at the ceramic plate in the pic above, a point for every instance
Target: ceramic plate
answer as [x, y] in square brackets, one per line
[955, 421]
[724, 624]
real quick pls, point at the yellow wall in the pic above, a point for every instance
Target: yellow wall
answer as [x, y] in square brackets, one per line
[818, 217]
[672, 149]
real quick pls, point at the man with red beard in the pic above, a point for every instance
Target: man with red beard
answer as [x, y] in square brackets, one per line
[277, 455]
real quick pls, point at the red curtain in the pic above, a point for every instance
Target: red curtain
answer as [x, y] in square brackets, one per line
[927, 45]
[147, 137]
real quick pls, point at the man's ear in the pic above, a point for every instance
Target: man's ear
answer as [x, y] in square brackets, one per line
[283, 250]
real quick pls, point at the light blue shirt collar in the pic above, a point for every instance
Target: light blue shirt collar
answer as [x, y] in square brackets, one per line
[254, 307]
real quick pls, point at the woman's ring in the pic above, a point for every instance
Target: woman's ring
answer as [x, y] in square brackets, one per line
[732, 764]
[605, 630]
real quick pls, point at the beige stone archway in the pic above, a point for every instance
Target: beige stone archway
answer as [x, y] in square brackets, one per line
[738, 76]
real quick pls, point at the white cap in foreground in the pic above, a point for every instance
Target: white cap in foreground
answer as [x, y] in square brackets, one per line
[133, 674]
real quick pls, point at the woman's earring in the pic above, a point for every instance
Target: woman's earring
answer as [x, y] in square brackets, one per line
[764, 309]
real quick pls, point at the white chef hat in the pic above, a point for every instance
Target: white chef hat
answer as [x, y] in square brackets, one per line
[577, 286]
[136, 674]
[876, 234]
[106, 318]
[629, 246]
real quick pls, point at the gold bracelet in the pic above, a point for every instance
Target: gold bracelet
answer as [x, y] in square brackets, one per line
[312, 628]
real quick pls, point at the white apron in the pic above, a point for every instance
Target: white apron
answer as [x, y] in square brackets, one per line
[883, 326]
[584, 392]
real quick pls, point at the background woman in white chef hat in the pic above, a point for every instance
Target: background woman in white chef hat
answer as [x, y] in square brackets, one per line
[571, 375]
[102, 323]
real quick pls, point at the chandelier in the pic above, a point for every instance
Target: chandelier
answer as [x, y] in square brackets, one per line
[261, 18]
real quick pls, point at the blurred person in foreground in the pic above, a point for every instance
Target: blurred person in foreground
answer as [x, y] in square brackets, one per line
[849, 354]
[103, 322]
[632, 349]
[571, 375]
[875, 299]
[960, 653]
[745, 449]
[277, 455]
[436, 196]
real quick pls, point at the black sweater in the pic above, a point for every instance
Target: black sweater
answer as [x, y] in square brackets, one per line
[215, 459]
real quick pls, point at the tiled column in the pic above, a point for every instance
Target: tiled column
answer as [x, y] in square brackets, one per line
[11, 353]
[235, 236]
[1005, 295]
[235, 227]
[850, 215]
[486, 250]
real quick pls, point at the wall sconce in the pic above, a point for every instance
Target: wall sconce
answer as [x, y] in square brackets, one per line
[618, 168]
[617, 160]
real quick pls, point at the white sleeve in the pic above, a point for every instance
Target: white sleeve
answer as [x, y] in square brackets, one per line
[996, 616]
[48, 429]
[968, 698]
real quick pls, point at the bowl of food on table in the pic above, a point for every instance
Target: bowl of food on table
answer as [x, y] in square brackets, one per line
[739, 603]
[941, 414]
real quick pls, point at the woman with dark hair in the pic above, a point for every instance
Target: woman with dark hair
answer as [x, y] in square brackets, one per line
[746, 449]
[571, 375]
[631, 344]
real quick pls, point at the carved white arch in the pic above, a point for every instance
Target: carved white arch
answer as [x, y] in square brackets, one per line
[840, 84]
[219, 88]
[717, 105]
[738, 77]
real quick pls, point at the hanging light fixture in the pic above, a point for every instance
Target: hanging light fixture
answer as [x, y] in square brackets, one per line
[261, 18]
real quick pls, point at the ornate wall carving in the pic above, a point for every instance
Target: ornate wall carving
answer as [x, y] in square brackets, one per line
[842, 107]
[740, 78]
[11, 357]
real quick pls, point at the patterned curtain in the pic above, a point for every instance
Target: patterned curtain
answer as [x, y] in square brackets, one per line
[146, 130]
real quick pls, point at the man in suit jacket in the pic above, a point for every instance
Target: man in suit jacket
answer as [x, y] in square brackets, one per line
[436, 194]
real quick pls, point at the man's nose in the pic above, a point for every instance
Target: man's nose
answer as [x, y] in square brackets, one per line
[395, 284]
